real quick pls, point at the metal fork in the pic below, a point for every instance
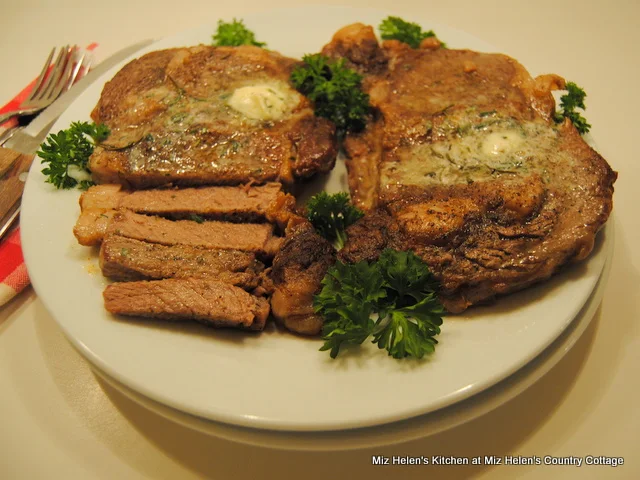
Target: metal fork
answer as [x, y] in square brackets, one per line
[53, 81]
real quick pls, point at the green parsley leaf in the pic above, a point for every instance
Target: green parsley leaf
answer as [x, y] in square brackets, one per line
[395, 28]
[331, 215]
[334, 89]
[574, 98]
[347, 300]
[399, 288]
[234, 34]
[69, 150]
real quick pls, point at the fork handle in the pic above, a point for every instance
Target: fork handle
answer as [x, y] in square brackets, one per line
[16, 113]
[7, 116]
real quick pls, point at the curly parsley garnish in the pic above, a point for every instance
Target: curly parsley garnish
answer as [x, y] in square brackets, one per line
[331, 215]
[334, 89]
[67, 154]
[399, 288]
[395, 28]
[574, 98]
[234, 34]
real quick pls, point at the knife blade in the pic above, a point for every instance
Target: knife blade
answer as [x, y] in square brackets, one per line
[18, 151]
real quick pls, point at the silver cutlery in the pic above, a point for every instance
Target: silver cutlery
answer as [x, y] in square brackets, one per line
[52, 81]
[18, 150]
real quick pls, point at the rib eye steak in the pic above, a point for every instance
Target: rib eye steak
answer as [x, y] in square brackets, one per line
[463, 163]
[209, 115]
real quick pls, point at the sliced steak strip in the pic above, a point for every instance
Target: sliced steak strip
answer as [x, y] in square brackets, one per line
[237, 203]
[208, 301]
[247, 237]
[126, 259]
[243, 203]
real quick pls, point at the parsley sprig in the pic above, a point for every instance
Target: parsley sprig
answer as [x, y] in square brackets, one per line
[331, 215]
[334, 89]
[574, 98]
[395, 28]
[399, 288]
[67, 154]
[234, 34]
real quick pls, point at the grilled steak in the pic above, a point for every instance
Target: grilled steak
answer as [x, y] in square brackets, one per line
[297, 271]
[463, 164]
[247, 237]
[208, 301]
[209, 115]
[126, 259]
[228, 203]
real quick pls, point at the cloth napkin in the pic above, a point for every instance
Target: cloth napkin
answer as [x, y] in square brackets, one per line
[13, 273]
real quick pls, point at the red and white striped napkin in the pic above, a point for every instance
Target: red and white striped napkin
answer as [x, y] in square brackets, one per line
[13, 273]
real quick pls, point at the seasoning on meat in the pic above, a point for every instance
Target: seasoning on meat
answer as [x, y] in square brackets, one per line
[249, 237]
[297, 271]
[209, 116]
[126, 259]
[240, 203]
[207, 301]
[467, 168]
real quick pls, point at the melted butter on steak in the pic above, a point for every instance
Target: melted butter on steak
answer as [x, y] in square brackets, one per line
[265, 101]
[463, 164]
[471, 151]
[211, 115]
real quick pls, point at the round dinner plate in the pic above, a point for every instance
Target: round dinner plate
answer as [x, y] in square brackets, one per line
[402, 431]
[275, 380]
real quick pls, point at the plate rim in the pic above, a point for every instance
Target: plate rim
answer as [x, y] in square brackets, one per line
[249, 420]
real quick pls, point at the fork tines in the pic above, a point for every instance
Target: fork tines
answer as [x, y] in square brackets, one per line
[67, 65]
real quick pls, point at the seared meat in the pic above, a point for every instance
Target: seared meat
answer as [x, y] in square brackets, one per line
[209, 115]
[297, 271]
[248, 237]
[242, 203]
[463, 164]
[126, 259]
[208, 301]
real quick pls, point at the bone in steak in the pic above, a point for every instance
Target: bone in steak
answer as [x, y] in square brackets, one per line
[207, 301]
[463, 163]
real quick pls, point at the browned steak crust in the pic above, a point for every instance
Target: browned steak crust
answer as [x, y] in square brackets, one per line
[463, 164]
[297, 271]
[172, 122]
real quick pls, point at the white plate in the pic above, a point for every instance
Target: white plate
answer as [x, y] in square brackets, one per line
[402, 431]
[275, 380]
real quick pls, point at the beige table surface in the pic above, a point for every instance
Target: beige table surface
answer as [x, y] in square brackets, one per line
[57, 420]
